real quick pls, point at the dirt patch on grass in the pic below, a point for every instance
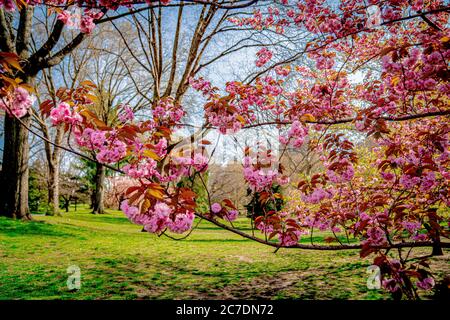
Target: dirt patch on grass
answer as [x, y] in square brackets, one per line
[326, 281]
[265, 287]
[146, 290]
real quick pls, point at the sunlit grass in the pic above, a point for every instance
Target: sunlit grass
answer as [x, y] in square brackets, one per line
[118, 261]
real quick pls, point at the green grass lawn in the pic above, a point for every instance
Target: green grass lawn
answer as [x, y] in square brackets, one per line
[117, 261]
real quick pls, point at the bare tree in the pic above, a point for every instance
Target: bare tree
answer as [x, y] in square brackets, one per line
[16, 37]
[67, 74]
[114, 73]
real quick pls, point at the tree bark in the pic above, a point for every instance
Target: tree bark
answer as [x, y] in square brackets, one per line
[67, 204]
[53, 161]
[435, 234]
[98, 207]
[92, 205]
[437, 247]
[14, 175]
[16, 151]
[53, 189]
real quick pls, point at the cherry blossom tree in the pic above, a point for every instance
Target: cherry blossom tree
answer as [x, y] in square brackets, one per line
[380, 69]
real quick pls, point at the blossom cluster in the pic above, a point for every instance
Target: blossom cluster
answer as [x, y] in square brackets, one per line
[202, 86]
[63, 113]
[7, 4]
[282, 70]
[341, 171]
[318, 195]
[229, 215]
[183, 166]
[258, 21]
[146, 169]
[108, 147]
[229, 114]
[159, 218]
[178, 166]
[126, 114]
[17, 103]
[259, 171]
[295, 135]
[264, 55]
[84, 22]
[287, 229]
[168, 110]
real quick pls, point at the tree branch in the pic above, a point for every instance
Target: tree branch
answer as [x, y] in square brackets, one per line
[319, 247]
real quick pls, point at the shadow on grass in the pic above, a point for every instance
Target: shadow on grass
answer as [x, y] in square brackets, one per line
[103, 218]
[215, 228]
[17, 228]
[217, 240]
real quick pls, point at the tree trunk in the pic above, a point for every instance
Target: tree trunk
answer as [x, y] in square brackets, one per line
[98, 207]
[92, 204]
[67, 204]
[53, 160]
[53, 189]
[14, 175]
[435, 235]
[16, 151]
[121, 198]
[437, 248]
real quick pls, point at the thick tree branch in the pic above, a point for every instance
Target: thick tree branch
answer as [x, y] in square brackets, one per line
[348, 120]
[174, 52]
[24, 31]
[318, 247]
[6, 40]
[50, 43]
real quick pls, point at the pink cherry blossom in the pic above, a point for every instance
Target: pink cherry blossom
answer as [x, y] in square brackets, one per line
[87, 24]
[17, 103]
[264, 55]
[126, 114]
[158, 219]
[112, 152]
[66, 17]
[146, 169]
[63, 113]
[216, 207]
[232, 215]
[7, 4]
[289, 238]
[182, 222]
[426, 283]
